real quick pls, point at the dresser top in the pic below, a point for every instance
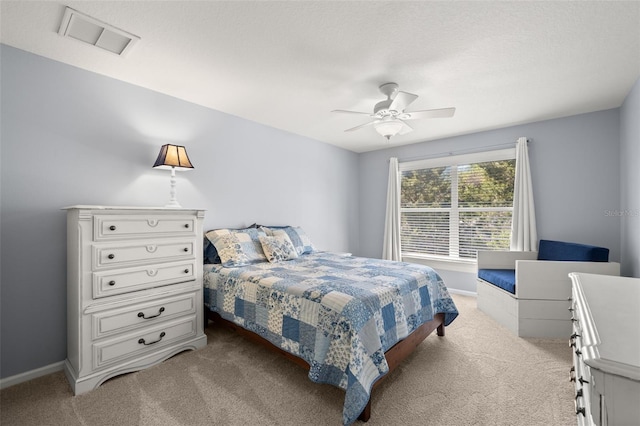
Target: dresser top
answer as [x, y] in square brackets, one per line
[96, 207]
[612, 328]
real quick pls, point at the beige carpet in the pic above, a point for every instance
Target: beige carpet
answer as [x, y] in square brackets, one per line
[478, 374]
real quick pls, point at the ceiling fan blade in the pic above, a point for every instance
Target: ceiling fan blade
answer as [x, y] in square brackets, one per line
[402, 100]
[362, 125]
[352, 112]
[429, 113]
[405, 128]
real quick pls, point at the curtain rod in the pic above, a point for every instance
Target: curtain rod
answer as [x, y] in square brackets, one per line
[460, 151]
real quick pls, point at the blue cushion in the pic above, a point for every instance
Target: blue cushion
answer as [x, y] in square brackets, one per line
[574, 252]
[503, 278]
[210, 252]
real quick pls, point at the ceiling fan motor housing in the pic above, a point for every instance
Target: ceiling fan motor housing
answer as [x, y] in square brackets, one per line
[382, 108]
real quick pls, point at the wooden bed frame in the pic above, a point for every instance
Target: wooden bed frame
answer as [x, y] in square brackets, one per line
[395, 355]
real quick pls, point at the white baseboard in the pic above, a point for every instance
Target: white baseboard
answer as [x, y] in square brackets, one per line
[32, 374]
[462, 292]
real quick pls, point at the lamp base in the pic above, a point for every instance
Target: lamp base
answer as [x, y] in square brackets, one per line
[173, 202]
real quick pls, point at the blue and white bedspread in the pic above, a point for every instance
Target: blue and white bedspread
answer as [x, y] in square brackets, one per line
[338, 313]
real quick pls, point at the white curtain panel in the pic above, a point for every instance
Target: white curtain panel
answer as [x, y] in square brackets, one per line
[391, 247]
[524, 236]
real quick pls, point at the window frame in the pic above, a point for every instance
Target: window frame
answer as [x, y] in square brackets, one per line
[449, 262]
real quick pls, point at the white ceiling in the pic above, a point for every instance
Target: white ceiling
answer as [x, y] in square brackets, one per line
[287, 64]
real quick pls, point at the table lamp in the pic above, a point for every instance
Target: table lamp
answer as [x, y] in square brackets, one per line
[173, 157]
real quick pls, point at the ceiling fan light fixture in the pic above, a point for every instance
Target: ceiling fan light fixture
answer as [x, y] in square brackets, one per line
[388, 128]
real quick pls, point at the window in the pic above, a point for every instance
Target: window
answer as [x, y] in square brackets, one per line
[453, 206]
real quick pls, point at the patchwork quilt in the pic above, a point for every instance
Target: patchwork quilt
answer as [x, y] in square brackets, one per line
[338, 313]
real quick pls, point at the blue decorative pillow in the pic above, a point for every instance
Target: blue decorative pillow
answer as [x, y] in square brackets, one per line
[298, 237]
[237, 247]
[210, 252]
[278, 248]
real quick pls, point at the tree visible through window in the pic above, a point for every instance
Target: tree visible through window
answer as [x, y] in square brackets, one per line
[453, 210]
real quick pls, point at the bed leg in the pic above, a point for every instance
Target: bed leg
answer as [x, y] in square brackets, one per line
[205, 310]
[440, 330]
[366, 413]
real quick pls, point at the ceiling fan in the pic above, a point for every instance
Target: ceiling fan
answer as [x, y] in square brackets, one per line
[389, 116]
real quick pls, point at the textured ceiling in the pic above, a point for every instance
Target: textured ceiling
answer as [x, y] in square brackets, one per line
[287, 64]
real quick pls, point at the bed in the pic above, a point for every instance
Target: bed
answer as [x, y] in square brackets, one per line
[350, 320]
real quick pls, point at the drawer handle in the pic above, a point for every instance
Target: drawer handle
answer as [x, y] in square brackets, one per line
[112, 228]
[141, 314]
[141, 341]
[112, 282]
[186, 271]
[186, 225]
[579, 393]
[571, 309]
[582, 381]
[574, 335]
[186, 249]
[112, 256]
[579, 410]
[578, 352]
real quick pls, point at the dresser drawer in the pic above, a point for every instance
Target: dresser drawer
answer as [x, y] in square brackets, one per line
[109, 283]
[122, 255]
[583, 393]
[148, 340]
[142, 315]
[109, 227]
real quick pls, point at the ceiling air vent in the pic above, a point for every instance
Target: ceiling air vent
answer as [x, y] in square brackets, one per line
[97, 33]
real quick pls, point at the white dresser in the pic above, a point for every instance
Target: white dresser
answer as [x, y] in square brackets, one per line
[606, 346]
[134, 289]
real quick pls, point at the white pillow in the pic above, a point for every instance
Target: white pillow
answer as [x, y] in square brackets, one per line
[278, 248]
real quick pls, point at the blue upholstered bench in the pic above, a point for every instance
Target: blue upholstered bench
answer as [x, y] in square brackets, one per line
[528, 292]
[547, 250]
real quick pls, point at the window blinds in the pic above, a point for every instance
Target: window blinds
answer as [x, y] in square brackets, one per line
[453, 206]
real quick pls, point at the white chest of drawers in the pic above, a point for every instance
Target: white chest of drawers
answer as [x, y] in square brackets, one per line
[606, 345]
[134, 289]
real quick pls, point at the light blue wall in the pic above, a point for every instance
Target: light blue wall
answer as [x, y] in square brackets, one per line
[69, 136]
[74, 137]
[630, 182]
[575, 168]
